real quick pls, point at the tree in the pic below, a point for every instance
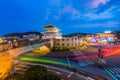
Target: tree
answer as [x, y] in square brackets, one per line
[35, 72]
[15, 77]
[49, 77]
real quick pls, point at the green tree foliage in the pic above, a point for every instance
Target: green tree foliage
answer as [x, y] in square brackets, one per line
[49, 77]
[15, 77]
[35, 72]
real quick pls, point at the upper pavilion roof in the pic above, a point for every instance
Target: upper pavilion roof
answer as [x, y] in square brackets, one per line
[49, 26]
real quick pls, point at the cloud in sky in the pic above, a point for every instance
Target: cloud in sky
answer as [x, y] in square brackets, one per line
[97, 3]
[75, 14]
[107, 14]
[82, 13]
[109, 24]
[69, 15]
[68, 10]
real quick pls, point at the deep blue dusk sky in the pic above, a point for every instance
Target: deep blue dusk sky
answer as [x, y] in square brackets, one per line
[70, 16]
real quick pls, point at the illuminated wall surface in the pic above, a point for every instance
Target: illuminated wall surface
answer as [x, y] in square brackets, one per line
[5, 64]
[6, 59]
[18, 51]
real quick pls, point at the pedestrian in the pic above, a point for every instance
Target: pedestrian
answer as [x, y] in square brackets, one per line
[99, 52]
[100, 55]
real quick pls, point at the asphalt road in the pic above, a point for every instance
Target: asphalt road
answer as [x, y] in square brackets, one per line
[63, 73]
[81, 59]
[113, 66]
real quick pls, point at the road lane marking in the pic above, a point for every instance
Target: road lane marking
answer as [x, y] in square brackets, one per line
[70, 75]
[110, 73]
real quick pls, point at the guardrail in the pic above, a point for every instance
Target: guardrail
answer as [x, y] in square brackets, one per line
[18, 44]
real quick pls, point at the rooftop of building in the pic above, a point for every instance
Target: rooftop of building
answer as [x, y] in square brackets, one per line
[49, 26]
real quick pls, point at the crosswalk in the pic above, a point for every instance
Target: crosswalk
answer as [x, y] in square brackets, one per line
[113, 66]
[82, 62]
[114, 71]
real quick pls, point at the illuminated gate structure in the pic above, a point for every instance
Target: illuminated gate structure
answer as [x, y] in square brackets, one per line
[51, 32]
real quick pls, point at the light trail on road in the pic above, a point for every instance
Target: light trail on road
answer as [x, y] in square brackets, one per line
[43, 60]
[85, 57]
[64, 63]
[106, 51]
[64, 72]
[110, 74]
[111, 51]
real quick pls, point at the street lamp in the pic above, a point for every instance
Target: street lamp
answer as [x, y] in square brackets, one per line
[9, 42]
[15, 40]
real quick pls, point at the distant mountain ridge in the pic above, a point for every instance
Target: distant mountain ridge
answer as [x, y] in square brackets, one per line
[21, 34]
[75, 34]
[117, 33]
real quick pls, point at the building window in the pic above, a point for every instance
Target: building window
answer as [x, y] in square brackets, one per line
[67, 44]
[72, 39]
[57, 44]
[63, 44]
[75, 44]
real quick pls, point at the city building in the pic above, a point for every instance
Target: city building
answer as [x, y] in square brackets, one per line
[32, 35]
[52, 32]
[68, 42]
[91, 39]
[5, 46]
[106, 37]
[60, 41]
[101, 38]
[1, 40]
